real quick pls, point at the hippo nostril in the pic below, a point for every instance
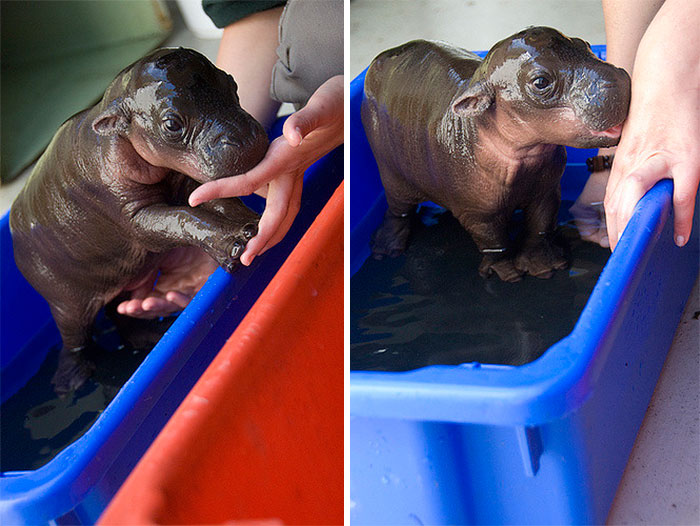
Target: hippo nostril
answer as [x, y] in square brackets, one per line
[229, 141]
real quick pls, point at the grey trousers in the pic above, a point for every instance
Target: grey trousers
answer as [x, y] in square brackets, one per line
[310, 50]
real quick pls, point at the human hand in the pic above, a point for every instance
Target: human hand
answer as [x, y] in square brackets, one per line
[588, 212]
[661, 137]
[307, 135]
[182, 273]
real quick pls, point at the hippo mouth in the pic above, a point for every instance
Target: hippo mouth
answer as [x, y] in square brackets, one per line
[613, 133]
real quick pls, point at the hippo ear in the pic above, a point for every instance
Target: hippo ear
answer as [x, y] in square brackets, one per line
[112, 121]
[474, 101]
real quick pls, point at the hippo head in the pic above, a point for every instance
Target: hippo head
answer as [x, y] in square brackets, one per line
[552, 88]
[181, 112]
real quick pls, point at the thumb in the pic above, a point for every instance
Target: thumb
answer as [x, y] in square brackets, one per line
[300, 124]
[323, 107]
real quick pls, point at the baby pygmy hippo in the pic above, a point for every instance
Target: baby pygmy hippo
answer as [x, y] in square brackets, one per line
[484, 138]
[107, 200]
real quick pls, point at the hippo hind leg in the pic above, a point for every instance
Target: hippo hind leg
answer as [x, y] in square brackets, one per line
[74, 369]
[391, 238]
[539, 255]
[74, 366]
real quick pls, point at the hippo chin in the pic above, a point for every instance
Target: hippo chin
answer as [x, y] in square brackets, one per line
[107, 201]
[484, 138]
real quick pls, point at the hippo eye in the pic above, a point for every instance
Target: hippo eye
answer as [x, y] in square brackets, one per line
[541, 82]
[172, 125]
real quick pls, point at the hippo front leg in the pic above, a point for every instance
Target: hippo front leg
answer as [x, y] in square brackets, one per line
[162, 227]
[234, 210]
[539, 256]
[491, 238]
[181, 186]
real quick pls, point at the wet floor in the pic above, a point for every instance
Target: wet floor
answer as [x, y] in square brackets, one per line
[430, 306]
[36, 425]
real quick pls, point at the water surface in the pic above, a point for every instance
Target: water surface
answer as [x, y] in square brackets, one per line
[36, 425]
[430, 306]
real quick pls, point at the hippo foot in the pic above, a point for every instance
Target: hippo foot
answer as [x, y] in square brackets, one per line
[230, 258]
[505, 269]
[541, 260]
[391, 238]
[249, 230]
[73, 371]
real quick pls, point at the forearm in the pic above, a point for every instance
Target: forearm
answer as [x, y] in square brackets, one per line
[672, 43]
[661, 136]
[625, 24]
[248, 52]
[666, 86]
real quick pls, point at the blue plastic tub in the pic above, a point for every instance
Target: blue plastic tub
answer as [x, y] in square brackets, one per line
[542, 443]
[77, 484]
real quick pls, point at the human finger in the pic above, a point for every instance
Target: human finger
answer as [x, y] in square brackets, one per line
[627, 201]
[155, 307]
[178, 298]
[279, 195]
[594, 231]
[130, 307]
[587, 218]
[236, 185]
[685, 188]
[324, 107]
[293, 134]
[299, 124]
[274, 162]
[292, 211]
[626, 191]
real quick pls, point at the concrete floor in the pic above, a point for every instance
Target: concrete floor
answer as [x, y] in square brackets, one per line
[660, 484]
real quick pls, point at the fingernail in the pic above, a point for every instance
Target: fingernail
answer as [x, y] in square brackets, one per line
[680, 241]
[297, 136]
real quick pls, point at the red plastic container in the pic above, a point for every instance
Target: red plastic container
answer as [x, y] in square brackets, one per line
[260, 436]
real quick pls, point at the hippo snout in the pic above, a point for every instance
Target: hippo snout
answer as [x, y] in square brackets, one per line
[251, 152]
[601, 99]
[235, 150]
[229, 140]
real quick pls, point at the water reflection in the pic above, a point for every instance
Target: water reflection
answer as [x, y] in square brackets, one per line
[430, 306]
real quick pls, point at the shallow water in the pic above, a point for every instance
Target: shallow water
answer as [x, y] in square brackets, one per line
[36, 425]
[430, 306]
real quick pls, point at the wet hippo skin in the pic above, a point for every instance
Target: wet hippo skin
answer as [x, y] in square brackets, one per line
[484, 138]
[107, 201]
